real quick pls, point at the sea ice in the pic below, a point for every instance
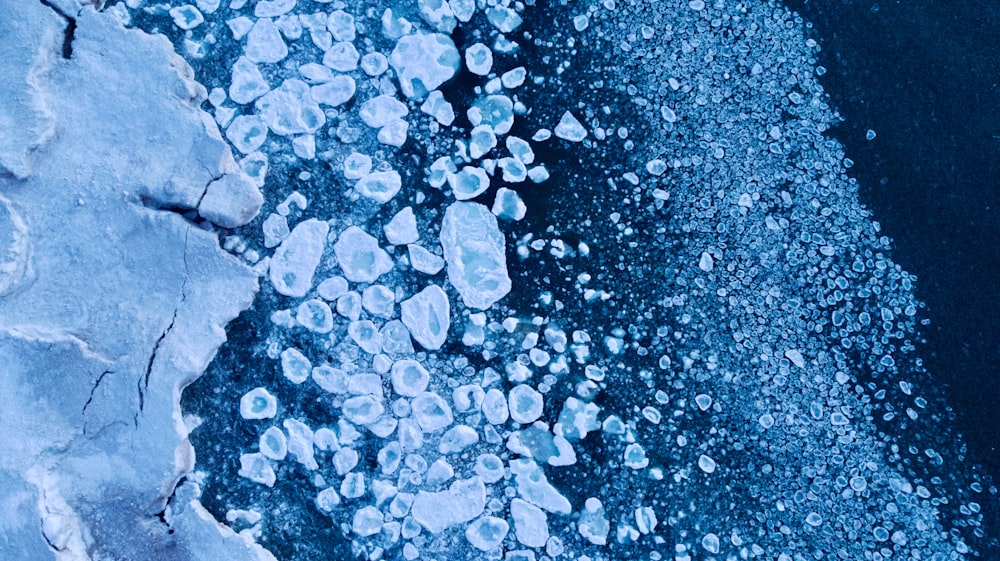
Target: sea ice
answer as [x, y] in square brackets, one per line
[489, 467]
[457, 439]
[264, 43]
[300, 443]
[357, 165]
[341, 25]
[258, 403]
[520, 149]
[295, 366]
[315, 315]
[349, 305]
[362, 409]
[272, 8]
[379, 300]
[503, 18]
[247, 82]
[427, 315]
[367, 521]
[525, 404]
[294, 263]
[231, 201]
[487, 533]
[342, 57]
[469, 183]
[380, 186]
[481, 141]
[431, 412]
[569, 128]
[256, 468]
[381, 110]
[273, 444]
[495, 407]
[479, 59]
[513, 79]
[438, 14]
[374, 64]
[186, 17]
[402, 229]
[247, 133]
[534, 487]
[333, 380]
[530, 523]
[424, 61]
[513, 170]
[365, 335]
[508, 205]
[409, 378]
[394, 133]
[360, 256]
[332, 288]
[593, 524]
[474, 249]
[462, 502]
[494, 111]
[290, 109]
[335, 92]
[436, 106]
[424, 261]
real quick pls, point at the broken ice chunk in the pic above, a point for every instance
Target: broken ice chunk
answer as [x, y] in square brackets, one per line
[463, 9]
[431, 412]
[362, 409]
[569, 128]
[357, 165]
[231, 201]
[186, 17]
[300, 443]
[380, 186]
[342, 57]
[504, 19]
[275, 229]
[424, 61]
[513, 170]
[333, 380]
[538, 174]
[272, 8]
[495, 407]
[520, 149]
[706, 262]
[577, 419]
[304, 146]
[291, 109]
[427, 315]
[457, 439]
[706, 464]
[525, 404]
[264, 43]
[487, 533]
[341, 25]
[530, 523]
[469, 183]
[378, 300]
[479, 59]
[327, 499]
[534, 487]
[247, 133]
[481, 141]
[335, 92]
[508, 205]
[258, 403]
[256, 468]
[381, 110]
[332, 288]
[402, 229]
[424, 261]
[494, 111]
[438, 14]
[353, 486]
[367, 521]
[360, 256]
[247, 83]
[393, 134]
[394, 27]
[489, 467]
[409, 378]
[474, 249]
[436, 106]
[462, 502]
[295, 366]
[365, 335]
[396, 338]
[635, 456]
[593, 524]
[374, 64]
[315, 315]
[349, 305]
[513, 79]
[294, 263]
[273, 444]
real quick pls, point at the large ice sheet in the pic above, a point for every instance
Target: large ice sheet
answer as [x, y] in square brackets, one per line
[475, 251]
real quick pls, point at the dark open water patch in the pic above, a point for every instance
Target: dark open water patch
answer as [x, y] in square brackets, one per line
[924, 75]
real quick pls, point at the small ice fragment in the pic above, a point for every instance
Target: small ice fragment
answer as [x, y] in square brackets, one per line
[457, 439]
[295, 366]
[489, 467]
[436, 106]
[316, 73]
[353, 486]
[357, 165]
[462, 502]
[258, 403]
[534, 487]
[394, 27]
[525, 404]
[367, 521]
[362, 409]
[706, 262]
[438, 14]
[645, 519]
[272, 8]
[479, 59]
[333, 380]
[396, 338]
[513, 78]
[581, 22]
[342, 57]
[427, 316]
[344, 460]
[402, 229]
[294, 263]
[393, 134]
[247, 133]
[513, 170]
[706, 464]
[290, 109]
[520, 149]
[256, 468]
[481, 141]
[870, 135]
[380, 186]
[593, 524]
[424, 61]
[424, 261]
[273, 444]
[503, 18]
[300, 443]
[635, 456]
[231, 201]
[304, 146]
[360, 256]
[208, 6]
[494, 111]
[495, 407]
[431, 412]
[541, 135]
[374, 64]
[508, 205]
[341, 25]
[656, 167]
[381, 110]
[332, 288]
[315, 315]
[530, 523]
[796, 357]
[349, 305]
[327, 499]
[409, 378]
[186, 17]
[378, 300]
[710, 542]
[469, 183]
[703, 401]
[264, 43]
[538, 174]
[487, 533]
[365, 335]
[569, 128]
[475, 252]
[247, 83]
[334, 92]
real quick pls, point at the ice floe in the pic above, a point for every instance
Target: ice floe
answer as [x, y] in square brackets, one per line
[474, 249]
[423, 62]
[294, 262]
[360, 257]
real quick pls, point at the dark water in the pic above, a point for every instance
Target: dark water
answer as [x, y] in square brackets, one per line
[925, 76]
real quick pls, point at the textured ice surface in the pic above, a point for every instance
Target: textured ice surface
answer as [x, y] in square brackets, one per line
[475, 251]
[360, 256]
[427, 314]
[294, 262]
[423, 62]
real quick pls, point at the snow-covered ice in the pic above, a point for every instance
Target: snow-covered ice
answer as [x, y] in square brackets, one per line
[423, 62]
[530, 523]
[360, 257]
[475, 252]
[437, 511]
[294, 262]
[569, 128]
[469, 182]
[258, 403]
[427, 314]
[380, 186]
[264, 43]
[402, 229]
[431, 411]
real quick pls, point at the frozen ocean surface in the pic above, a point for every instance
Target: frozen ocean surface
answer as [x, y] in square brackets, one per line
[462, 279]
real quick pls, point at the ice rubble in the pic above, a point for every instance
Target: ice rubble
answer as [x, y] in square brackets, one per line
[423, 62]
[474, 249]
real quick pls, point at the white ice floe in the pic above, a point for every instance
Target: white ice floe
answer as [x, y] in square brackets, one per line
[513, 78]
[436, 106]
[257, 468]
[349, 305]
[334, 92]
[525, 404]
[520, 149]
[332, 288]
[360, 256]
[495, 407]
[186, 17]
[534, 487]
[231, 201]
[264, 43]
[513, 170]
[300, 443]
[247, 133]
[304, 146]
[487, 533]
[475, 249]
[380, 186]
[569, 128]
[530, 523]
[489, 467]
[273, 444]
[367, 521]
[427, 315]
[424, 61]
[357, 165]
[457, 439]
[362, 409]
[393, 26]
[462, 502]
[341, 25]
[290, 109]
[508, 205]
[494, 111]
[479, 59]
[424, 261]
[503, 18]
[381, 110]
[258, 403]
[394, 133]
[374, 64]
[431, 411]
[402, 229]
[294, 263]
[409, 378]
[342, 57]
[333, 380]
[396, 338]
[295, 367]
[438, 14]
[378, 300]
[315, 315]
[272, 8]
[327, 499]
[469, 183]
[481, 141]
[593, 524]
[365, 335]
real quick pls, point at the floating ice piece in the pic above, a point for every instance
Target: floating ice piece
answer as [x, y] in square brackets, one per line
[341, 25]
[365, 383]
[272, 8]
[273, 444]
[468, 183]
[380, 186]
[481, 141]
[508, 205]
[436, 106]
[300, 443]
[393, 134]
[569, 128]
[394, 27]
[360, 256]
[503, 18]
[247, 133]
[513, 170]
[381, 110]
[374, 64]
[424, 61]
[264, 43]
[656, 167]
[424, 261]
[240, 26]
[703, 401]
[495, 407]
[327, 499]
[353, 486]
[710, 542]
[427, 315]
[258, 403]
[349, 305]
[479, 59]
[525, 404]
[365, 335]
[635, 456]
[534, 487]
[396, 338]
[474, 249]
[334, 92]
[333, 380]
[247, 82]
[378, 300]
[367, 521]
[231, 201]
[256, 468]
[577, 419]
[357, 165]
[208, 6]
[295, 366]
[457, 439]
[362, 409]
[431, 412]
[342, 57]
[462, 502]
[186, 17]
[706, 262]
[520, 149]
[706, 464]
[291, 109]
[294, 263]
[304, 146]
[332, 288]
[494, 111]
[513, 79]
[315, 315]
[344, 460]
[530, 523]
[796, 357]
[489, 467]
[402, 229]
[468, 398]
[487, 533]
[438, 14]
[593, 524]
[409, 378]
